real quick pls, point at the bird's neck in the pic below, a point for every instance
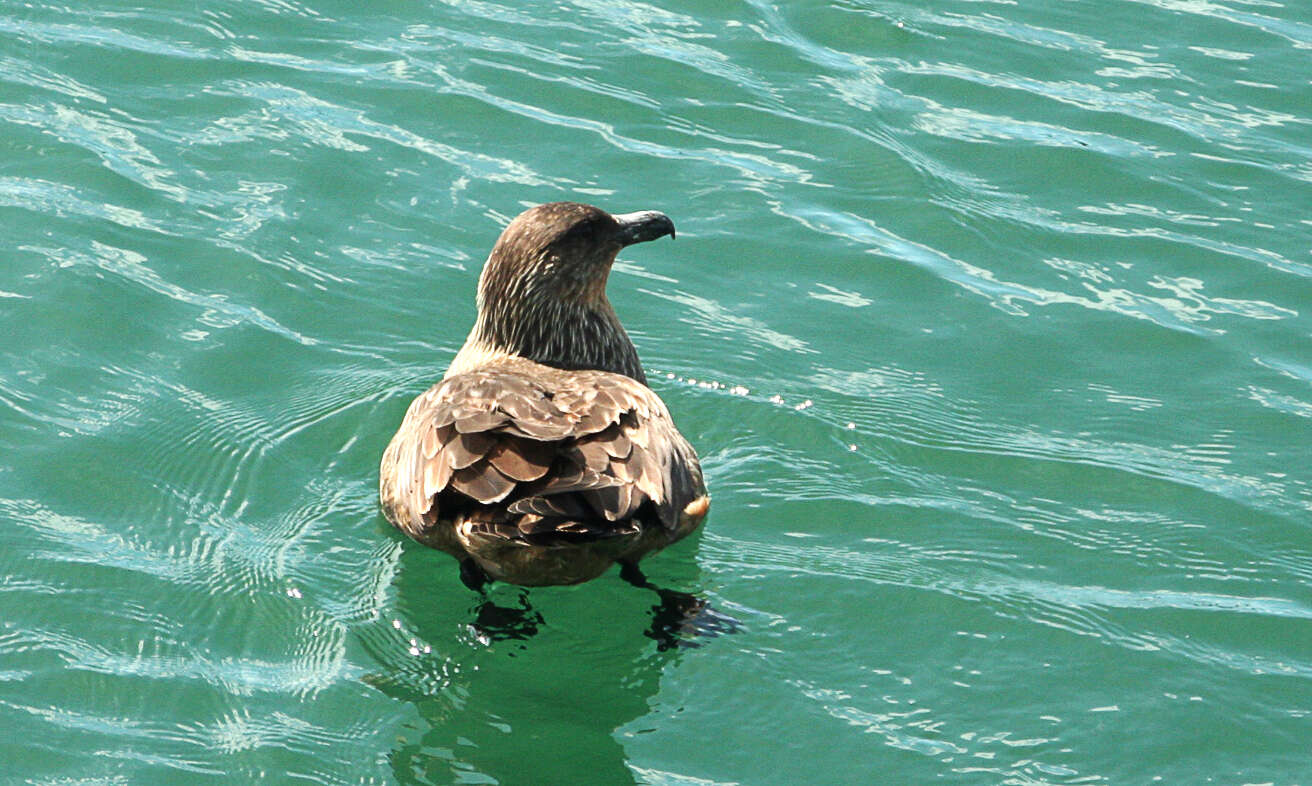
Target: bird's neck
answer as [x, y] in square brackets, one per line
[553, 332]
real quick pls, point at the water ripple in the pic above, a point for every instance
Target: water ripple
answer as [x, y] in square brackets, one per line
[988, 320]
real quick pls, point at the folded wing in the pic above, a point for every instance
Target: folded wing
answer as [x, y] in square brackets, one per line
[529, 450]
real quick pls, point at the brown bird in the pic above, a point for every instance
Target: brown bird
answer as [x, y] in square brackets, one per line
[542, 457]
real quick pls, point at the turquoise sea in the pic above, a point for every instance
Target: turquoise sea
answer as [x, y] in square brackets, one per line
[991, 320]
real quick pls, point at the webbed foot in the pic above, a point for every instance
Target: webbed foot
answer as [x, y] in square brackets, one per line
[680, 618]
[502, 623]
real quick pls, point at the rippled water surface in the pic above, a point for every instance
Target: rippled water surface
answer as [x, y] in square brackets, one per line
[992, 322]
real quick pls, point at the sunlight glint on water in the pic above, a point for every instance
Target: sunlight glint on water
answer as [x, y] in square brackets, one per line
[989, 321]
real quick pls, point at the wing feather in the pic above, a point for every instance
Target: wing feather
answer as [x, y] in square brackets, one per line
[482, 483]
[469, 447]
[437, 473]
[544, 446]
[615, 441]
[521, 459]
[471, 422]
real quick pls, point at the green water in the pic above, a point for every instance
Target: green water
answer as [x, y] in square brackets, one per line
[992, 323]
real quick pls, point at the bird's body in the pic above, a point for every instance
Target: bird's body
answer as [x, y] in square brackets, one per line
[542, 457]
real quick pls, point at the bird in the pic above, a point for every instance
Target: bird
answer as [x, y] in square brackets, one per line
[542, 457]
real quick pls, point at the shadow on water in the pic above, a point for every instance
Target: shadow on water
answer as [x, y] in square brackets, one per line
[526, 686]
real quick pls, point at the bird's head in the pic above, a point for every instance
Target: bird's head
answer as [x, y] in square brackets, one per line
[542, 294]
[563, 251]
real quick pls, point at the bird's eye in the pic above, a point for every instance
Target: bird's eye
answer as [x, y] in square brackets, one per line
[581, 232]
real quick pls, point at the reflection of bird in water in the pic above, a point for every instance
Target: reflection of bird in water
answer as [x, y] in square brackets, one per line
[497, 694]
[542, 457]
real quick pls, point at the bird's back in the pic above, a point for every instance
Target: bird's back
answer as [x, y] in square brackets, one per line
[541, 475]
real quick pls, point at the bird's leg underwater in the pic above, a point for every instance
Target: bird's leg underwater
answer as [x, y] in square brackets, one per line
[680, 616]
[473, 576]
[493, 622]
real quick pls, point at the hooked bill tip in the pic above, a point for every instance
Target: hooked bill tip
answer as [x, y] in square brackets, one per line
[643, 226]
